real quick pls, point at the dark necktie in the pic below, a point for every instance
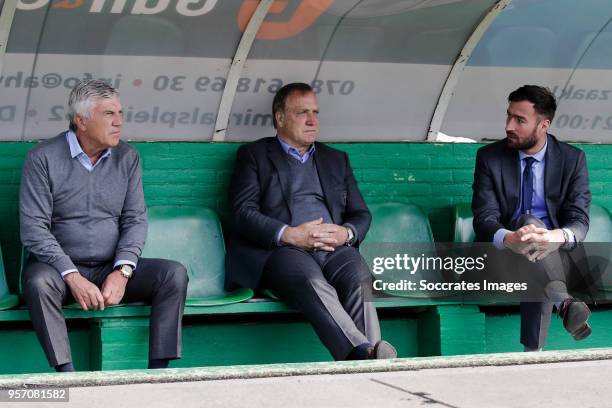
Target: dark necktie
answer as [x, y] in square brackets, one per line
[527, 185]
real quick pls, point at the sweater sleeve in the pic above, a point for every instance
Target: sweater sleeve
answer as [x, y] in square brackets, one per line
[133, 221]
[35, 210]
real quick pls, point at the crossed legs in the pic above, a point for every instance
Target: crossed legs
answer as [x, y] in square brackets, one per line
[551, 275]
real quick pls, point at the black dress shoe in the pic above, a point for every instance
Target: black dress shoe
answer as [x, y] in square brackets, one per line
[575, 315]
[383, 350]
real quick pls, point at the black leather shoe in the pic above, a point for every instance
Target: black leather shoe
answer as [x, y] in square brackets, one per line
[383, 350]
[575, 315]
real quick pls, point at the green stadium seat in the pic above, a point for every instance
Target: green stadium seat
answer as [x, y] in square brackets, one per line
[464, 230]
[398, 223]
[600, 226]
[7, 300]
[193, 236]
[600, 230]
[397, 228]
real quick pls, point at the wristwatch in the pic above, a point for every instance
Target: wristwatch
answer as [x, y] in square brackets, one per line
[350, 239]
[126, 271]
[566, 237]
[569, 243]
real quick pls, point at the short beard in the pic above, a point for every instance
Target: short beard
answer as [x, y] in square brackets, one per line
[527, 144]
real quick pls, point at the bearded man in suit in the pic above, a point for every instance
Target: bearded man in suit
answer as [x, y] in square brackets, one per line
[531, 196]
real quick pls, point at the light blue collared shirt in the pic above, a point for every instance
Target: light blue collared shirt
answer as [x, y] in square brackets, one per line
[538, 203]
[292, 151]
[538, 200]
[76, 152]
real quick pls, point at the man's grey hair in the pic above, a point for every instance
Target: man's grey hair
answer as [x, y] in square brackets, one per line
[82, 98]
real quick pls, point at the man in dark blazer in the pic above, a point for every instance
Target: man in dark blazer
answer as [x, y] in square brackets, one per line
[531, 196]
[298, 219]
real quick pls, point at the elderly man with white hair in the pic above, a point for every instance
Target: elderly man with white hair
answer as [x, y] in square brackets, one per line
[83, 223]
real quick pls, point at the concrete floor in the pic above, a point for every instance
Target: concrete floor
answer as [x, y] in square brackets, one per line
[564, 384]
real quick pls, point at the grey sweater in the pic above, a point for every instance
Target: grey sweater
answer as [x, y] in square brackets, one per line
[70, 216]
[308, 198]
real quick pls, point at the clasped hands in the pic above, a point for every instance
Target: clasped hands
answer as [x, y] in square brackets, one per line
[315, 235]
[533, 242]
[89, 296]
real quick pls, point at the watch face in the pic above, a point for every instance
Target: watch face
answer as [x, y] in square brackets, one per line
[126, 270]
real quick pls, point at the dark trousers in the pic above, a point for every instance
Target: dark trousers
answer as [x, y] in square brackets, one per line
[160, 282]
[326, 287]
[552, 271]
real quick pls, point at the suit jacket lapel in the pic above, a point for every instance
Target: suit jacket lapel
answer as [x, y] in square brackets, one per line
[325, 170]
[552, 174]
[510, 175]
[279, 159]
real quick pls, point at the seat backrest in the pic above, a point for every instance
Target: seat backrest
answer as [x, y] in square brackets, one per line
[600, 225]
[398, 223]
[192, 236]
[464, 230]
[397, 229]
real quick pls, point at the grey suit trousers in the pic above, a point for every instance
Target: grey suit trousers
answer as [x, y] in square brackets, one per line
[160, 282]
[327, 288]
[554, 269]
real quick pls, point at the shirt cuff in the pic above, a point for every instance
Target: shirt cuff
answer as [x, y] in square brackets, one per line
[571, 243]
[279, 234]
[63, 263]
[124, 262]
[498, 238]
[127, 257]
[68, 271]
